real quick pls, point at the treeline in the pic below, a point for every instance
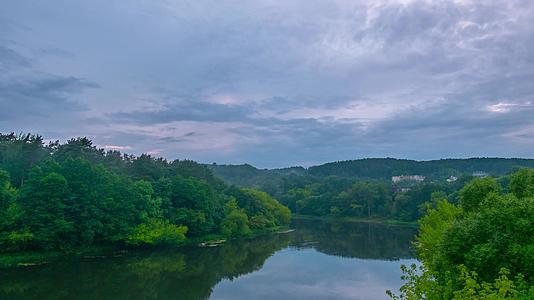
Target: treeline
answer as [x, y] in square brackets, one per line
[65, 196]
[384, 168]
[363, 188]
[481, 248]
[341, 197]
[376, 169]
[337, 196]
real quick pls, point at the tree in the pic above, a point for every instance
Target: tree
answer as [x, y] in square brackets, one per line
[235, 221]
[191, 202]
[19, 153]
[522, 183]
[481, 249]
[44, 203]
[81, 147]
[75, 195]
[263, 210]
[473, 193]
[8, 206]
[148, 168]
[10, 214]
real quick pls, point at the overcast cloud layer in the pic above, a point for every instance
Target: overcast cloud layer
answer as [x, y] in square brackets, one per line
[273, 83]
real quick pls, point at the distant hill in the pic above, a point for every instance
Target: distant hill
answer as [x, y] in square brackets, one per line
[374, 168]
[248, 176]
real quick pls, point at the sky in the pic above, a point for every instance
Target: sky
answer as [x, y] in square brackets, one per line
[273, 83]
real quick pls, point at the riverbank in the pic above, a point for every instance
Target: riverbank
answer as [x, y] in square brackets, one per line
[354, 219]
[32, 258]
[24, 259]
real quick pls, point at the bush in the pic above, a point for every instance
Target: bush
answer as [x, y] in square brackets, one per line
[157, 232]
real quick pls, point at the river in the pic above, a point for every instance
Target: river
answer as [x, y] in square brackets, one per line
[319, 260]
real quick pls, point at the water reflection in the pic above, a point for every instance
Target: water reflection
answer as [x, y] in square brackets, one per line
[319, 260]
[355, 239]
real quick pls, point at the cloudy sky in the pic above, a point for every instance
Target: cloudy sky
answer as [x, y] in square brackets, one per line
[273, 83]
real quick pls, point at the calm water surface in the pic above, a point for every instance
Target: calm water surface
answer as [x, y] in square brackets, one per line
[319, 260]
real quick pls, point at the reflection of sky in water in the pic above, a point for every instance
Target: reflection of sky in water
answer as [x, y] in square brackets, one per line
[308, 274]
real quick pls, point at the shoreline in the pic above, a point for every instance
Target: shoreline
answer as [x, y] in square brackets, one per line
[28, 259]
[36, 258]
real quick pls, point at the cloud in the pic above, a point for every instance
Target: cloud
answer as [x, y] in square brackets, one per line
[10, 59]
[274, 83]
[40, 97]
[31, 100]
[185, 110]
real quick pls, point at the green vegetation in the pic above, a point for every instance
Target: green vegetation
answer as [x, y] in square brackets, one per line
[357, 198]
[363, 189]
[72, 196]
[482, 248]
[372, 169]
[475, 239]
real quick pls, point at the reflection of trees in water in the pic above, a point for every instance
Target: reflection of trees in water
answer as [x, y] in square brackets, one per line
[191, 273]
[185, 274]
[354, 239]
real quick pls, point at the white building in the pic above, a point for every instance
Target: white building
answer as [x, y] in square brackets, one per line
[418, 178]
[452, 179]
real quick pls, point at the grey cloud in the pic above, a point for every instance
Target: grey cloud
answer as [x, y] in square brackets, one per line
[31, 100]
[421, 74]
[40, 97]
[180, 139]
[10, 59]
[185, 110]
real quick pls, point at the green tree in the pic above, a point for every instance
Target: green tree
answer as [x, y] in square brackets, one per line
[8, 206]
[44, 202]
[473, 193]
[19, 153]
[481, 249]
[235, 221]
[191, 202]
[522, 183]
[262, 208]
[74, 195]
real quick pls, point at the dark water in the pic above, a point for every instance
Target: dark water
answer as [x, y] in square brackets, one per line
[319, 260]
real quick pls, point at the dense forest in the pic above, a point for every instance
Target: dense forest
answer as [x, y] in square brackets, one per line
[68, 196]
[481, 248]
[364, 189]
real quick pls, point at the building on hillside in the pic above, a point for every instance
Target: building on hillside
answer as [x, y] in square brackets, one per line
[452, 179]
[417, 178]
[480, 174]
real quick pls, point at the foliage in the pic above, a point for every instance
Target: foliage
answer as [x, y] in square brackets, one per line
[157, 232]
[422, 285]
[522, 183]
[363, 188]
[476, 191]
[75, 195]
[235, 221]
[368, 169]
[432, 228]
[481, 249]
[264, 210]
